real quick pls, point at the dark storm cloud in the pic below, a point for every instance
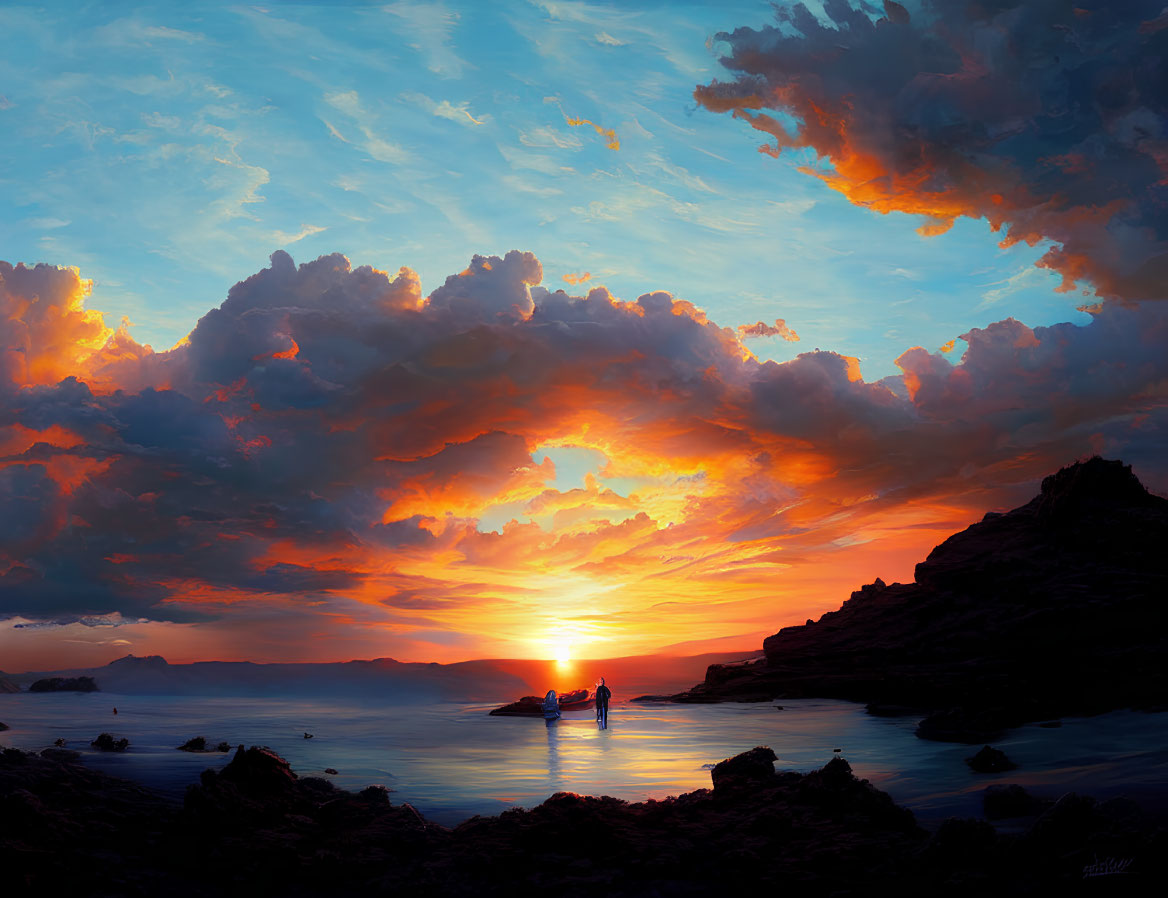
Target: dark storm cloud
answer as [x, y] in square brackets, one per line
[1047, 118]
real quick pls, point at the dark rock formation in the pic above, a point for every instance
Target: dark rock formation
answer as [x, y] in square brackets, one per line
[106, 742]
[8, 687]
[256, 828]
[880, 709]
[990, 760]
[970, 727]
[196, 743]
[1053, 608]
[747, 769]
[3, 726]
[64, 684]
[528, 706]
[60, 754]
[532, 705]
[1011, 800]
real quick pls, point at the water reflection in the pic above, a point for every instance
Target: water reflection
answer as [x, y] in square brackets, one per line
[555, 774]
[453, 761]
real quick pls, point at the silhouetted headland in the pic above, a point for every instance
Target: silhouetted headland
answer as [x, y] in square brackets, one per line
[64, 684]
[1054, 608]
[255, 827]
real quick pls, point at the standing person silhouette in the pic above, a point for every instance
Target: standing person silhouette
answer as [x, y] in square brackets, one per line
[603, 694]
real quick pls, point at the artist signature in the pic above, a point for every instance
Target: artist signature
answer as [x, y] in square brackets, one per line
[1107, 867]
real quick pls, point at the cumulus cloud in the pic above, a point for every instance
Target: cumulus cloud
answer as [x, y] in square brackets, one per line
[329, 435]
[761, 329]
[1046, 118]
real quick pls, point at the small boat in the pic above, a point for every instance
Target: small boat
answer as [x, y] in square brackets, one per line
[532, 705]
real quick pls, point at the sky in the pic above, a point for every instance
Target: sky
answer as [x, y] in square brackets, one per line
[552, 329]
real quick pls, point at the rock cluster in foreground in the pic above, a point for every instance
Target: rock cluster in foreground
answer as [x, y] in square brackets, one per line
[1051, 609]
[257, 828]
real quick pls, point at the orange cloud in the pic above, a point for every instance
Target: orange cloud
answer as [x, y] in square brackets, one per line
[575, 279]
[322, 453]
[610, 139]
[957, 128]
[760, 329]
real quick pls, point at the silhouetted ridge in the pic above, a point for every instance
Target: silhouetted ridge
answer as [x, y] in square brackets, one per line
[149, 662]
[1054, 607]
[1090, 486]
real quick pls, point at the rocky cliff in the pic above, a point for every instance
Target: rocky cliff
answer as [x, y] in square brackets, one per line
[1053, 608]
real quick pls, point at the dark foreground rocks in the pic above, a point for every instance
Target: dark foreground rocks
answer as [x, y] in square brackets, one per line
[1054, 608]
[256, 828]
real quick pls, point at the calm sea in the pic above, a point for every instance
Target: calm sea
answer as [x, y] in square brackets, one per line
[453, 761]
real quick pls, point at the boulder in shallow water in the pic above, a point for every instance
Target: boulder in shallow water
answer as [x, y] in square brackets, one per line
[749, 768]
[198, 743]
[106, 742]
[259, 771]
[990, 760]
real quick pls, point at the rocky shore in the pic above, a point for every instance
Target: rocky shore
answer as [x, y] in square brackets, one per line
[1052, 609]
[257, 828]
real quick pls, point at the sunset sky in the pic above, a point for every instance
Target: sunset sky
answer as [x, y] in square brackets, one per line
[553, 329]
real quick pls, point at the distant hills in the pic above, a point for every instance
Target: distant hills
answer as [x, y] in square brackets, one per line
[493, 680]
[1053, 608]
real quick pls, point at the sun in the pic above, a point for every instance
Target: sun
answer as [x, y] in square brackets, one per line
[563, 653]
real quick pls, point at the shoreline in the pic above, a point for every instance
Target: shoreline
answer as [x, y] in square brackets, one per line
[1108, 756]
[825, 829]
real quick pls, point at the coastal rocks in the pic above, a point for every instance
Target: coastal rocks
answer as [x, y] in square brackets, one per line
[528, 706]
[257, 771]
[7, 687]
[1010, 800]
[3, 726]
[990, 760]
[106, 742]
[747, 769]
[532, 705]
[65, 829]
[64, 684]
[883, 709]
[199, 744]
[1046, 610]
[60, 754]
[258, 828]
[959, 725]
